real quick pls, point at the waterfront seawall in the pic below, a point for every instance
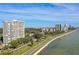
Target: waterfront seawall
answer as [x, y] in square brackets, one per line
[61, 35]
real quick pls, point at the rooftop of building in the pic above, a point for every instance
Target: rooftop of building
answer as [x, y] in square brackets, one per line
[13, 20]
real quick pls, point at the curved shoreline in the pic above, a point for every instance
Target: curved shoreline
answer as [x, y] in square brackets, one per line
[52, 41]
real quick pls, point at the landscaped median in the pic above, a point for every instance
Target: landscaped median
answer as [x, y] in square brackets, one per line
[23, 49]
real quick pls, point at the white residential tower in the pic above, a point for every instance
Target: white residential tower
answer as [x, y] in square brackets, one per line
[13, 30]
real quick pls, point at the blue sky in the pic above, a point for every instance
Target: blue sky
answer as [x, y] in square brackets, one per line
[40, 14]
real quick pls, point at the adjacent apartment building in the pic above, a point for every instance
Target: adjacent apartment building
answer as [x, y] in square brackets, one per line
[13, 30]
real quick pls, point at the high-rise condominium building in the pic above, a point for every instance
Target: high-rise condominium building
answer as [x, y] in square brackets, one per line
[65, 28]
[58, 27]
[13, 30]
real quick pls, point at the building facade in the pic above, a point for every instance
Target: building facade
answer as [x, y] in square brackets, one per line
[58, 27]
[13, 30]
[65, 28]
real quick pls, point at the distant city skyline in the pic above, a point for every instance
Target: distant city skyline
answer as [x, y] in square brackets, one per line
[40, 14]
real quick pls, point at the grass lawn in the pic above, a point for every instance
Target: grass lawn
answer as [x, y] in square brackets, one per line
[24, 49]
